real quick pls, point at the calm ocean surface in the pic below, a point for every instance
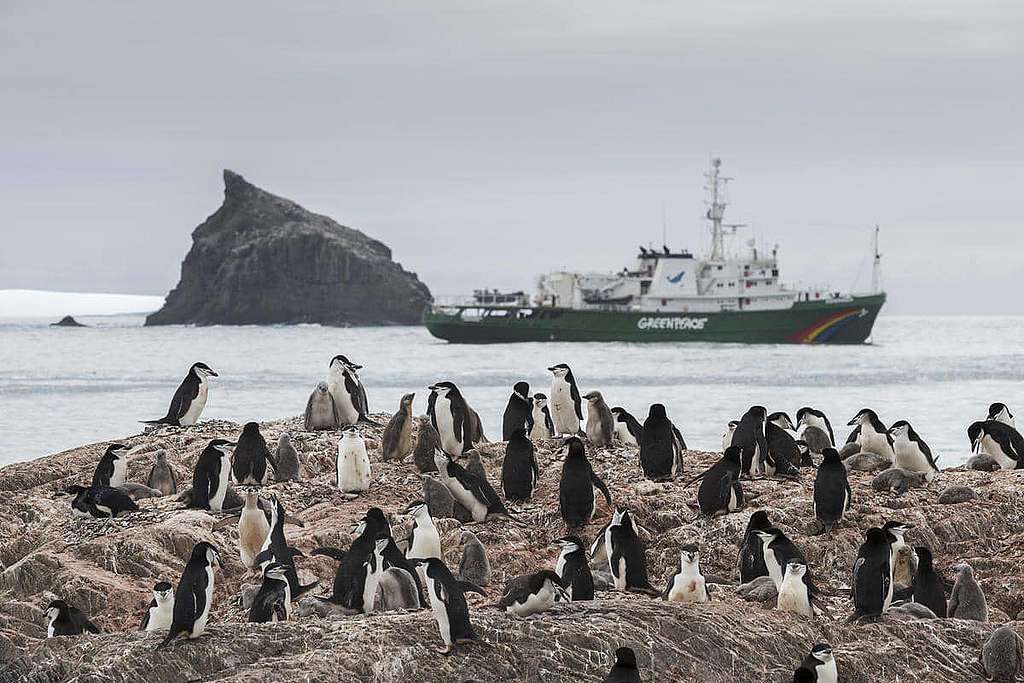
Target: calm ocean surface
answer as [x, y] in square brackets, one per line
[63, 387]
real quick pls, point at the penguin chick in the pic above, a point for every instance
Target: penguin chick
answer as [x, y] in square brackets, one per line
[474, 565]
[863, 461]
[531, 594]
[396, 442]
[161, 475]
[67, 620]
[287, 460]
[897, 480]
[321, 410]
[427, 441]
[967, 600]
[600, 423]
[1002, 655]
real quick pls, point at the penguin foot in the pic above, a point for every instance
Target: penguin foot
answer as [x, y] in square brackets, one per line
[446, 650]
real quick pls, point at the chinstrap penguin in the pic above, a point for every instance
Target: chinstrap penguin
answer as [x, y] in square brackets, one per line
[720, 489]
[249, 461]
[627, 557]
[628, 431]
[449, 415]
[687, 584]
[193, 595]
[112, 466]
[101, 502]
[750, 438]
[822, 663]
[576, 486]
[66, 620]
[160, 611]
[210, 478]
[448, 604]
[624, 670]
[566, 404]
[573, 569]
[518, 412]
[353, 468]
[832, 496]
[519, 471]
[531, 594]
[912, 453]
[348, 391]
[543, 426]
[871, 434]
[273, 601]
[190, 398]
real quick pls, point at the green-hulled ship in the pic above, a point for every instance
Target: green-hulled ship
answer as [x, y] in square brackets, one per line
[669, 296]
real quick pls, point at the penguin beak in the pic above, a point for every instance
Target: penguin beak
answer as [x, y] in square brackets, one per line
[211, 373]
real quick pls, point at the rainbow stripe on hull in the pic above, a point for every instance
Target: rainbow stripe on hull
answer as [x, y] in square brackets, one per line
[820, 331]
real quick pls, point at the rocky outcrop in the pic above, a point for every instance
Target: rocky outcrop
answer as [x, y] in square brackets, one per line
[262, 259]
[108, 568]
[67, 321]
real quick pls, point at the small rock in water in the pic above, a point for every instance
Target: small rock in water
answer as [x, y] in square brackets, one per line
[957, 494]
[67, 321]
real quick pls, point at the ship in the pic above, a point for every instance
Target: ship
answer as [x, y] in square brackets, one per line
[670, 296]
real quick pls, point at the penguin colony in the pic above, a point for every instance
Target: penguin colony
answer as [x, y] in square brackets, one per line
[378, 570]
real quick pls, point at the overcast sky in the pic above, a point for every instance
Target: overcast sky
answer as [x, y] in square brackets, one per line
[486, 142]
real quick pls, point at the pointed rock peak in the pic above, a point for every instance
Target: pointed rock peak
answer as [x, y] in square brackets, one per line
[234, 182]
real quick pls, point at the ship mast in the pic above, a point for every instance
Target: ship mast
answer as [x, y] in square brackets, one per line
[716, 204]
[876, 268]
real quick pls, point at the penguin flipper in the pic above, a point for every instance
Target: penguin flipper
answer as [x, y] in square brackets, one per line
[174, 633]
[226, 521]
[333, 553]
[288, 519]
[295, 552]
[93, 628]
[265, 556]
[470, 587]
[303, 589]
[697, 478]
[601, 487]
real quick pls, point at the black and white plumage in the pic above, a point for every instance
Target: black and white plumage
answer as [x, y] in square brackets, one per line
[273, 600]
[822, 663]
[832, 496]
[871, 434]
[573, 569]
[160, 611]
[190, 398]
[527, 595]
[449, 415]
[872, 585]
[657, 444]
[66, 620]
[927, 587]
[749, 437]
[576, 486]
[627, 557]
[598, 548]
[161, 475]
[730, 429]
[193, 595]
[348, 391]
[687, 583]
[1000, 412]
[519, 471]
[911, 452]
[600, 423]
[999, 440]
[448, 603]
[627, 429]
[543, 426]
[392, 556]
[424, 541]
[249, 462]
[778, 552]
[566, 404]
[783, 453]
[625, 669]
[101, 502]
[276, 549]
[518, 412]
[472, 492]
[112, 466]
[751, 557]
[350, 577]
[811, 417]
[720, 488]
[210, 477]
[797, 592]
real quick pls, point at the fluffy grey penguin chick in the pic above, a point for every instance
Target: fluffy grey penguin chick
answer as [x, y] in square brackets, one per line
[474, 566]
[967, 600]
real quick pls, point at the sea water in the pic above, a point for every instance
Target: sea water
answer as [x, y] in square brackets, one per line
[63, 387]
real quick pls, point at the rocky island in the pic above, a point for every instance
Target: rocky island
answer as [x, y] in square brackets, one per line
[261, 259]
[107, 568]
